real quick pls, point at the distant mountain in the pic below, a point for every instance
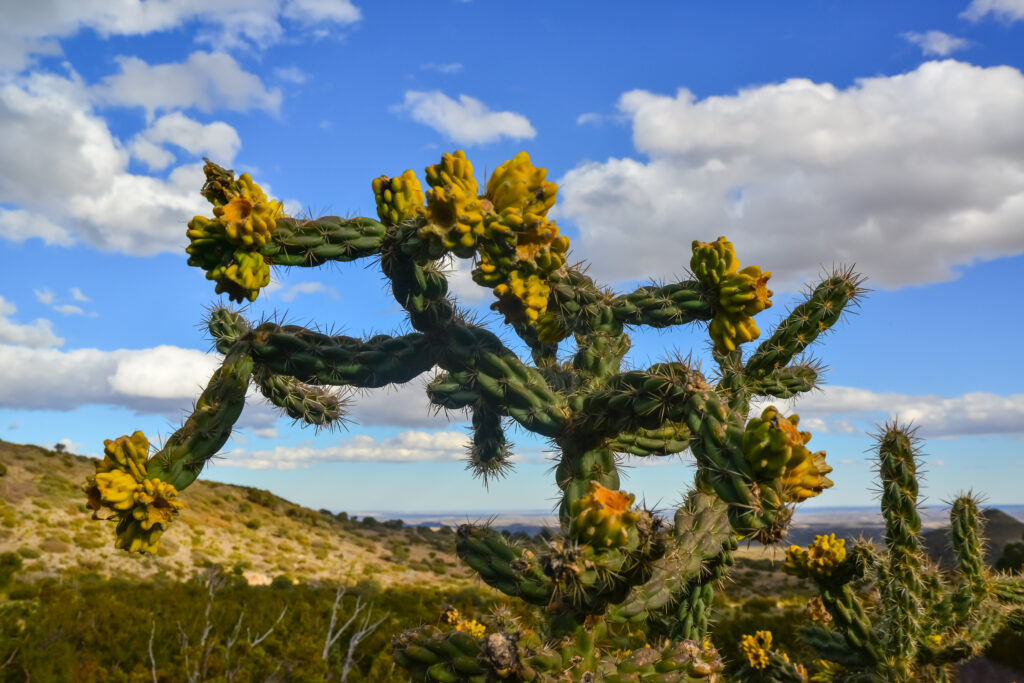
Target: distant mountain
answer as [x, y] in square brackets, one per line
[259, 535]
[1000, 529]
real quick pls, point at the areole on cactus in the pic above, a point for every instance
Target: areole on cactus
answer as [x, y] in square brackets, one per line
[626, 595]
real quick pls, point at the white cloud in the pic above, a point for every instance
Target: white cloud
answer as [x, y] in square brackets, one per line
[48, 298]
[589, 118]
[77, 295]
[38, 335]
[34, 28]
[935, 43]
[291, 74]
[413, 446]
[216, 140]
[44, 296]
[973, 413]
[79, 179]
[929, 163]
[452, 68]
[69, 309]
[206, 81]
[320, 11]
[19, 225]
[468, 121]
[291, 292]
[1005, 10]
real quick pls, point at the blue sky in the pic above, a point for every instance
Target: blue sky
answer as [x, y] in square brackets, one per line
[811, 134]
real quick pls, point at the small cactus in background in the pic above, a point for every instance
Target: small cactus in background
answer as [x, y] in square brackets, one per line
[626, 596]
[922, 620]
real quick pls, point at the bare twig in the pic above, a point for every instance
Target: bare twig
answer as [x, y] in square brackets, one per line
[152, 659]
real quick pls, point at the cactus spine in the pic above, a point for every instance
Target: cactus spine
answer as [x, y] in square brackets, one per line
[627, 597]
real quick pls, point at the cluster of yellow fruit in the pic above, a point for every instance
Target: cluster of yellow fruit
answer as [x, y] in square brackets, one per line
[144, 507]
[227, 246]
[741, 293]
[776, 449]
[506, 229]
[470, 626]
[819, 560]
[603, 518]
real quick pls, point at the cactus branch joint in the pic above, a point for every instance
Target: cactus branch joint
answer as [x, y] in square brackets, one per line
[626, 595]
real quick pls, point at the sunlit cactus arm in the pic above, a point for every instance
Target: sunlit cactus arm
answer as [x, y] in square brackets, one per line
[700, 537]
[490, 453]
[314, 242]
[822, 309]
[785, 382]
[663, 306]
[902, 594]
[511, 569]
[314, 405]
[318, 358]
[969, 550]
[453, 390]
[672, 437]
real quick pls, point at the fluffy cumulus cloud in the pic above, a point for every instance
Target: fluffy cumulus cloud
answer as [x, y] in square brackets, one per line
[908, 176]
[1004, 10]
[835, 409]
[216, 140]
[467, 121]
[36, 335]
[77, 186]
[35, 28]
[205, 81]
[935, 43]
[412, 446]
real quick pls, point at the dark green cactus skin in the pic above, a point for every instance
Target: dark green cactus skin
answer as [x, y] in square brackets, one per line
[592, 409]
[923, 620]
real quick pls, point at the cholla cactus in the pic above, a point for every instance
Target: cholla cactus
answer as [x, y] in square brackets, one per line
[627, 597]
[922, 621]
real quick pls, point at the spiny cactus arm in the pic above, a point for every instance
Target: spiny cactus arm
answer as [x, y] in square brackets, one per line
[670, 438]
[831, 646]
[489, 453]
[696, 553]
[317, 358]
[822, 309]
[207, 429]
[453, 390]
[1009, 589]
[639, 399]
[969, 549]
[314, 242]
[902, 594]
[787, 382]
[513, 570]
[662, 306]
[315, 405]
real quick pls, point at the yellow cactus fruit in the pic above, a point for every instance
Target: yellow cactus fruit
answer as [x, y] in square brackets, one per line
[472, 627]
[398, 199]
[517, 185]
[454, 214]
[243, 278]
[115, 490]
[819, 560]
[756, 648]
[133, 538]
[827, 672]
[127, 453]
[450, 615]
[603, 517]
[746, 292]
[712, 261]
[729, 330]
[550, 329]
[775, 448]
[248, 223]
[522, 300]
[155, 503]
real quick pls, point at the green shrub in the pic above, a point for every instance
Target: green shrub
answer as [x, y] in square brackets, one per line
[29, 553]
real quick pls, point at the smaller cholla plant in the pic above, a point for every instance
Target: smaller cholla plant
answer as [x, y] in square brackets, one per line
[624, 594]
[916, 621]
